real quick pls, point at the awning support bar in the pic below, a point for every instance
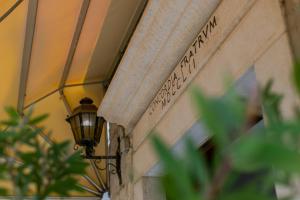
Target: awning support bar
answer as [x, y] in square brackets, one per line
[27, 49]
[72, 50]
[66, 86]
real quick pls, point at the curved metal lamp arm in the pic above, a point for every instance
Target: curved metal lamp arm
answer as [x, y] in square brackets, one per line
[113, 168]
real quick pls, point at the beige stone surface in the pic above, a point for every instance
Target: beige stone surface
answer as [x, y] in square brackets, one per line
[227, 16]
[115, 132]
[165, 31]
[277, 64]
[138, 190]
[125, 190]
[152, 189]
[292, 14]
[257, 32]
[148, 188]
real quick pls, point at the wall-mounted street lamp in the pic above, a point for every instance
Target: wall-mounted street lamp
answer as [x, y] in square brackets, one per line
[87, 129]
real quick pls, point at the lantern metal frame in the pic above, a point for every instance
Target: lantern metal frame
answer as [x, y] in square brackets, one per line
[83, 136]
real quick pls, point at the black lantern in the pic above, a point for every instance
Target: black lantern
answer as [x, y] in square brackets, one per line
[87, 129]
[86, 125]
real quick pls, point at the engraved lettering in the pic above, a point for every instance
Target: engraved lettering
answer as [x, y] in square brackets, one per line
[205, 31]
[182, 72]
[200, 41]
[173, 83]
[213, 24]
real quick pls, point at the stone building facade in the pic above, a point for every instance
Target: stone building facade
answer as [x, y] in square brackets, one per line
[181, 43]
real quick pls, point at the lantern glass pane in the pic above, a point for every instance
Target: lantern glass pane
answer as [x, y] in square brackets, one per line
[78, 128]
[98, 129]
[93, 118]
[74, 130]
[86, 124]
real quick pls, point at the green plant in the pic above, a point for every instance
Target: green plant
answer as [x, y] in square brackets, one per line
[268, 155]
[32, 166]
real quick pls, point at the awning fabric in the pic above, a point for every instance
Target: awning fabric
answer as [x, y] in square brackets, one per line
[103, 30]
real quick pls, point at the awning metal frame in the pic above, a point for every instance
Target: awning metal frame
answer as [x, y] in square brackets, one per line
[65, 86]
[72, 50]
[10, 10]
[27, 50]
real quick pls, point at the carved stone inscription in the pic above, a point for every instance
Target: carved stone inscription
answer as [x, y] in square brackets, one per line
[184, 71]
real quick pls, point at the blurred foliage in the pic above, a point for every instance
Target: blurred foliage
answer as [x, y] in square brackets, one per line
[267, 155]
[30, 165]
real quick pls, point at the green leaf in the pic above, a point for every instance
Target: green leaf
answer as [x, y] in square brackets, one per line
[222, 116]
[38, 119]
[254, 153]
[177, 181]
[197, 165]
[9, 123]
[271, 104]
[3, 192]
[29, 157]
[12, 112]
[62, 187]
[76, 164]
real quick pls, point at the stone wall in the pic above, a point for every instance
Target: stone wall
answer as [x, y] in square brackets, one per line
[123, 191]
[248, 33]
[258, 29]
[292, 16]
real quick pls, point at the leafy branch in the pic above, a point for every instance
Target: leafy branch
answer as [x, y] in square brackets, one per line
[247, 162]
[34, 167]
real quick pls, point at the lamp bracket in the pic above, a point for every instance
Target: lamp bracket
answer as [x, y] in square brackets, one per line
[113, 168]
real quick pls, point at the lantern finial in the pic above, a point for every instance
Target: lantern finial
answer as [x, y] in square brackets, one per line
[86, 100]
